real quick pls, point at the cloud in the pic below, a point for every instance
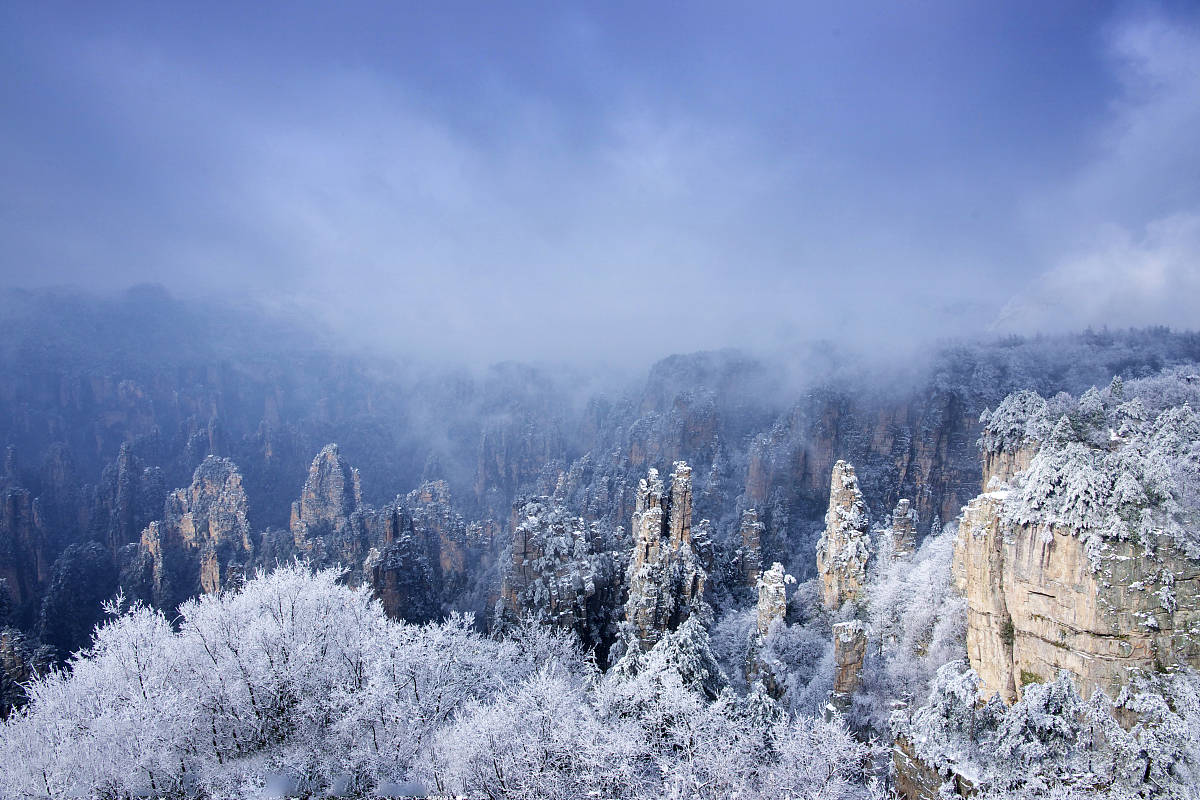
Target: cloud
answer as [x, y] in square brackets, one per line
[1149, 279]
[597, 187]
[1127, 227]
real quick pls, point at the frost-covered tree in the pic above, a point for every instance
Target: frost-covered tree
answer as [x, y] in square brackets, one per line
[1110, 467]
[916, 622]
[298, 683]
[1053, 743]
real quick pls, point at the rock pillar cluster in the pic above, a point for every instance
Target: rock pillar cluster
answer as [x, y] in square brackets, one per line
[666, 578]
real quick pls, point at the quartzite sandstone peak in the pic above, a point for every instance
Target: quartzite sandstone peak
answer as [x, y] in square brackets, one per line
[845, 546]
[202, 543]
[321, 519]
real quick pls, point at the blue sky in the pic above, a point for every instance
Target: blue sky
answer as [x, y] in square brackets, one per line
[567, 180]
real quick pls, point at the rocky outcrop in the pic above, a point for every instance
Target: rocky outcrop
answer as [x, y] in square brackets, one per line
[83, 579]
[20, 661]
[26, 549]
[129, 497]
[423, 555]
[666, 579]
[849, 650]
[844, 547]
[764, 669]
[399, 566]
[445, 532]
[203, 542]
[918, 780]
[904, 529]
[512, 451]
[1001, 466]
[750, 554]
[919, 446]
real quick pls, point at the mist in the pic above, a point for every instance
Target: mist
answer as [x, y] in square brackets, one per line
[607, 184]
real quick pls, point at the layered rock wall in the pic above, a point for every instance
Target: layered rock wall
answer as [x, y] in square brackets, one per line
[1035, 604]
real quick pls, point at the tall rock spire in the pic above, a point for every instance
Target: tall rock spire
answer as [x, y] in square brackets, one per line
[845, 546]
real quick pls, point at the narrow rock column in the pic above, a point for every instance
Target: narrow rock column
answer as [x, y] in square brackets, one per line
[845, 546]
[772, 597]
[904, 529]
[751, 557]
[849, 650]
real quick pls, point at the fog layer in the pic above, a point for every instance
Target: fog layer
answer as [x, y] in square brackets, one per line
[609, 182]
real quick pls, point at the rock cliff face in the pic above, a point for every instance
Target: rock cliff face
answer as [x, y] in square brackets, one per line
[845, 545]
[1073, 558]
[201, 544]
[666, 579]
[1036, 605]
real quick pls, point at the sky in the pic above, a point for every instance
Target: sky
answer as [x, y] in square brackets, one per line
[619, 181]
